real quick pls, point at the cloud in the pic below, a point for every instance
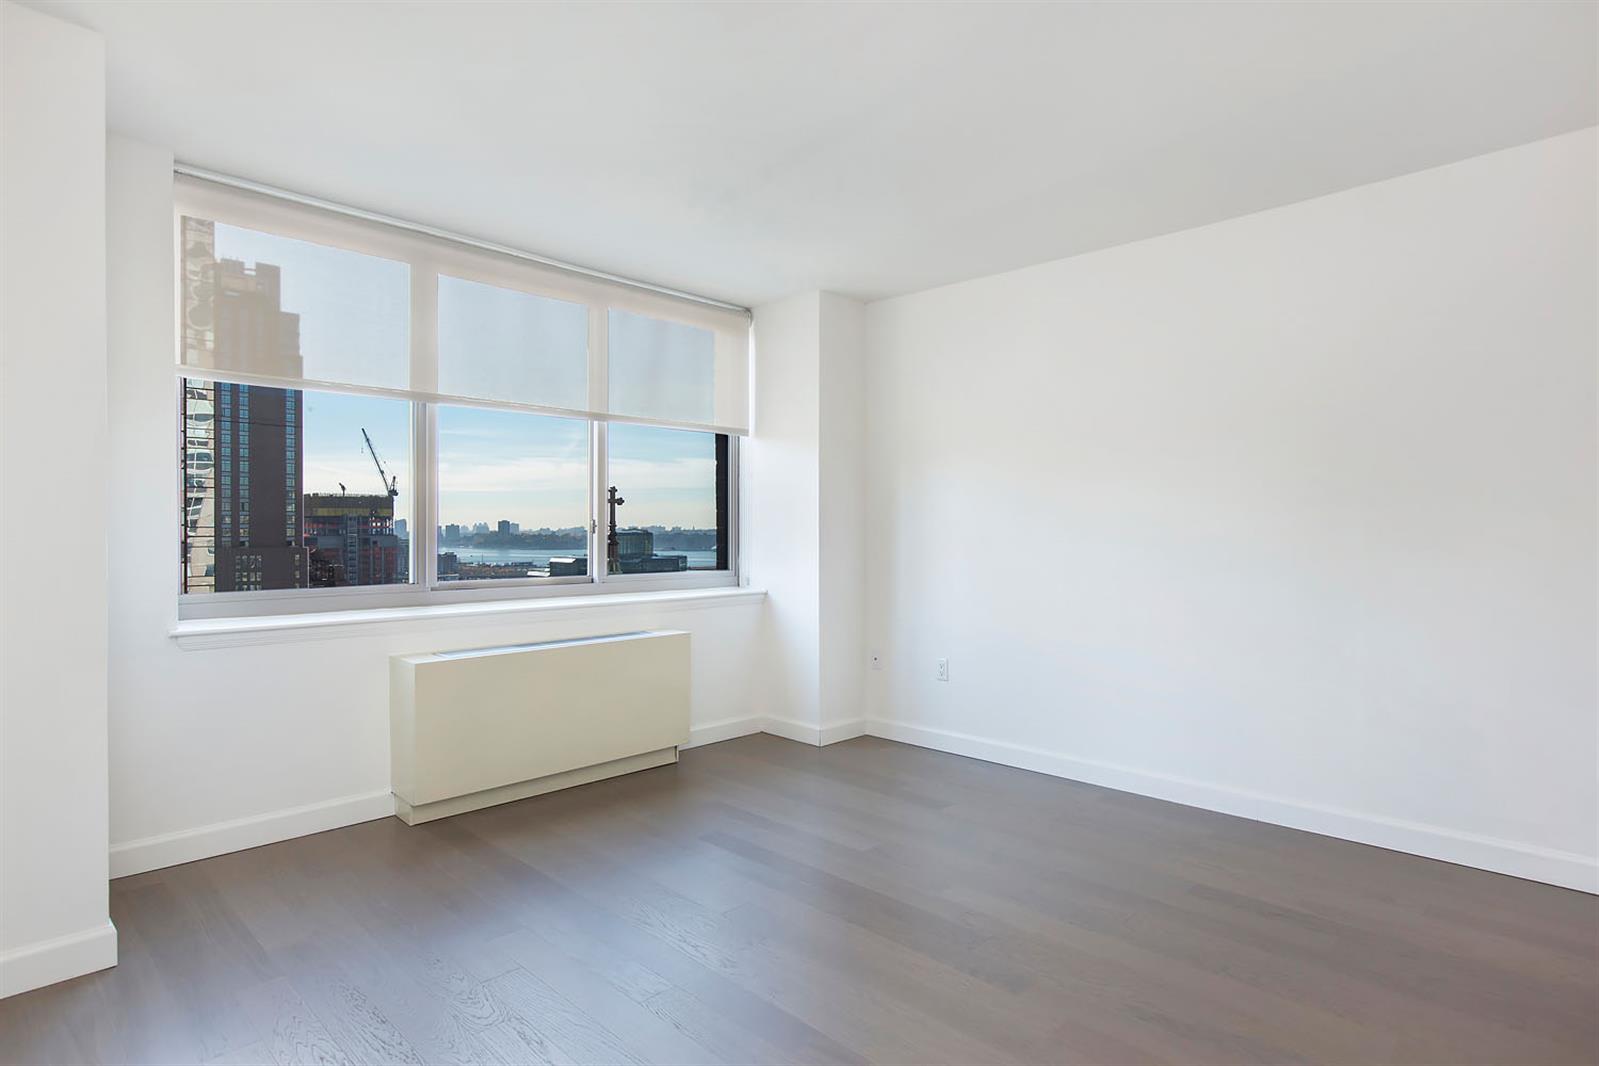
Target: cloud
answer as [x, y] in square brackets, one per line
[672, 474]
[462, 474]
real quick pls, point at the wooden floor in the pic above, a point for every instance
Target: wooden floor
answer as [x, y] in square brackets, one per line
[764, 901]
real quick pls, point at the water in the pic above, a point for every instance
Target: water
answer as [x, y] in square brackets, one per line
[539, 558]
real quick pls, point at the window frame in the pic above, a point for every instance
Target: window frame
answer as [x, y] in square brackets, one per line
[428, 258]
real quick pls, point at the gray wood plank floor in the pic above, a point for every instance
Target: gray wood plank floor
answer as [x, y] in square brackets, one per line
[764, 901]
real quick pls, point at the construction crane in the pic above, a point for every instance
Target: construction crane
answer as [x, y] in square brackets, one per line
[390, 483]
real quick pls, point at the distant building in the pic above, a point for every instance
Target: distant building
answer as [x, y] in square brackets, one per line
[504, 528]
[452, 533]
[568, 566]
[449, 564]
[635, 552]
[480, 527]
[352, 541]
[401, 530]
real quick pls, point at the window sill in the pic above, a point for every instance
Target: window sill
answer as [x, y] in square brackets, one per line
[323, 625]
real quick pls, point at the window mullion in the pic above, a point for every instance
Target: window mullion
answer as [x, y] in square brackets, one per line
[424, 442]
[735, 505]
[599, 402]
[598, 523]
[425, 498]
[599, 360]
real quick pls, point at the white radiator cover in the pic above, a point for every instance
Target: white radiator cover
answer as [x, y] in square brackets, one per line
[470, 729]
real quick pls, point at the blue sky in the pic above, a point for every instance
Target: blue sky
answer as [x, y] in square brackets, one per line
[493, 464]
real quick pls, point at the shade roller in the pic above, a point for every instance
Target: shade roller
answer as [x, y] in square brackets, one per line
[275, 291]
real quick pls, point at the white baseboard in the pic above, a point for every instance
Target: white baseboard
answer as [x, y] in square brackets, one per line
[1567, 869]
[58, 959]
[789, 729]
[833, 732]
[219, 838]
[725, 729]
[821, 736]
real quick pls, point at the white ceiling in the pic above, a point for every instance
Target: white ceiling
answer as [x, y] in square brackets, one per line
[748, 151]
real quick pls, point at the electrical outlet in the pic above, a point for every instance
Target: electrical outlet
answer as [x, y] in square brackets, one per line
[877, 660]
[943, 669]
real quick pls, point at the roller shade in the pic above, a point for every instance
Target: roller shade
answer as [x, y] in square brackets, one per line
[280, 292]
[503, 344]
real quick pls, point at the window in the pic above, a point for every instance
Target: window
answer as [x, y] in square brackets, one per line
[675, 484]
[513, 496]
[374, 415]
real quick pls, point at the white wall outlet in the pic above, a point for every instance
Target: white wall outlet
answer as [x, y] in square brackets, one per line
[943, 669]
[876, 660]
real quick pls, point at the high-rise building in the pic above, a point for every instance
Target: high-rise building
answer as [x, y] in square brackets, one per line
[244, 466]
[259, 545]
[504, 528]
[352, 541]
[401, 530]
[452, 533]
[199, 479]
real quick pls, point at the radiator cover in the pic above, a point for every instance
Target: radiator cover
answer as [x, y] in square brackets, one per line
[470, 729]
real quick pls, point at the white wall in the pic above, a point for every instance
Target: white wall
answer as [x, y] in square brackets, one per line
[217, 748]
[1292, 515]
[807, 528]
[784, 475]
[842, 513]
[54, 918]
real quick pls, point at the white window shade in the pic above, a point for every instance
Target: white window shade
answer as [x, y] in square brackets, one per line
[661, 370]
[502, 344]
[267, 305]
[296, 294]
[671, 366]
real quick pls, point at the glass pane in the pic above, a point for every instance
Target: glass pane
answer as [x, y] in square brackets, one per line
[513, 495]
[673, 510]
[661, 370]
[258, 303]
[283, 489]
[499, 344]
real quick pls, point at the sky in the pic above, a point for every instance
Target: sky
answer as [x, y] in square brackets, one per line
[493, 464]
